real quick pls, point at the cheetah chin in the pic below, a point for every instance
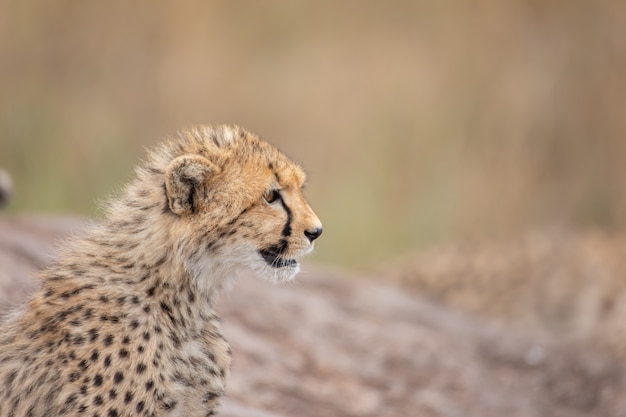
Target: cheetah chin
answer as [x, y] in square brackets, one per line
[275, 266]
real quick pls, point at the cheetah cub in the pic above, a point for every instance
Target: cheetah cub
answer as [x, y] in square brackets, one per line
[123, 323]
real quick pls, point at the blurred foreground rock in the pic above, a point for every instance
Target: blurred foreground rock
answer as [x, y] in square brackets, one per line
[565, 284]
[331, 345]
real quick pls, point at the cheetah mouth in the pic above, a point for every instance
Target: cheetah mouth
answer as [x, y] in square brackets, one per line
[273, 259]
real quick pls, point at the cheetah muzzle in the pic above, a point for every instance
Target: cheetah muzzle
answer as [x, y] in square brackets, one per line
[123, 322]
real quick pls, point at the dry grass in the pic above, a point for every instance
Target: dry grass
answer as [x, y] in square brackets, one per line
[419, 122]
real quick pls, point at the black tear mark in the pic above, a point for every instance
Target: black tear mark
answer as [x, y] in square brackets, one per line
[287, 228]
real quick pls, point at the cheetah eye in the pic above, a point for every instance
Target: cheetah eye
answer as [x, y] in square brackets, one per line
[271, 196]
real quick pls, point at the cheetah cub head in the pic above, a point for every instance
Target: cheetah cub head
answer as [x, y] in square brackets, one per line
[236, 201]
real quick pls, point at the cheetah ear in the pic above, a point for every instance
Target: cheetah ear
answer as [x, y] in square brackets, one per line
[186, 183]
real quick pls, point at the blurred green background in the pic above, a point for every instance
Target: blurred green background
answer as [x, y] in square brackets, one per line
[419, 122]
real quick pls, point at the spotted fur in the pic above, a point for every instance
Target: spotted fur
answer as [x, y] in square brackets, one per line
[123, 323]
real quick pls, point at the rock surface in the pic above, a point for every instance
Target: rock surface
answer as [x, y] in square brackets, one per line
[333, 345]
[565, 284]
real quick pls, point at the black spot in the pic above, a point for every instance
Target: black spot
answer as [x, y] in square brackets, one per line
[68, 294]
[79, 340]
[168, 310]
[126, 340]
[150, 291]
[146, 336]
[141, 368]
[111, 318]
[134, 324]
[123, 353]
[118, 377]
[128, 397]
[93, 335]
[149, 385]
[112, 394]
[43, 329]
[98, 400]
[61, 316]
[97, 380]
[108, 341]
[88, 314]
[71, 399]
[140, 406]
[175, 339]
[112, 412]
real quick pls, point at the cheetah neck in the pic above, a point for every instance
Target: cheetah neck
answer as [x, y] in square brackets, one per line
[126, 259]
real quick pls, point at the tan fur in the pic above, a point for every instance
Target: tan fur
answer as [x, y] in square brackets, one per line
[123, 323]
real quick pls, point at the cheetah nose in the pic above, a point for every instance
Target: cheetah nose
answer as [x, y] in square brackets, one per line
[313, 234]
